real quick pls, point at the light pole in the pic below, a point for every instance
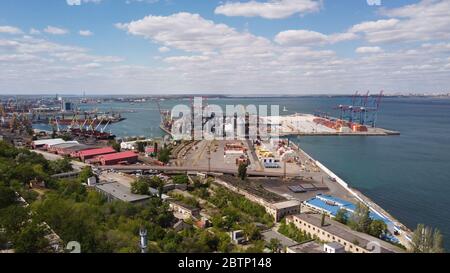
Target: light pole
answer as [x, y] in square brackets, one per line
[143, 234]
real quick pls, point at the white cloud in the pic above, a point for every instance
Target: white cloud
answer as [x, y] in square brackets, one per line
[300, 37]
[56, 30]
[192, 33]
[142, 1]
[34, 31]
[425, 21]
[375, 26]
[73, 2]
[208, 56]
[218, 57]
[307, 37]
[274, 9]
[10, 30]
[79, 2]
[86, 33]
[178, 59]
[163, 49]
[369, 49]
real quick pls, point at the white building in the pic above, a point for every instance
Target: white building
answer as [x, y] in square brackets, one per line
[334, 247]
[45, 142]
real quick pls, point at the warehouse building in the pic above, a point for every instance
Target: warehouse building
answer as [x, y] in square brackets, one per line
[60, 148]
[282, 209]
[51, 145]
[115, 191]
[332, 231]
[118, 158]
[89, 154]
[43, 143]
[183, 211]
[70, 149]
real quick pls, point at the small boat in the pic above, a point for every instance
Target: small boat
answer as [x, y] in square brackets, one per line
[285, 109]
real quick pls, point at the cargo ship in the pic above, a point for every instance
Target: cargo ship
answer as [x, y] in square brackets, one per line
[91, 121]
[99, 135]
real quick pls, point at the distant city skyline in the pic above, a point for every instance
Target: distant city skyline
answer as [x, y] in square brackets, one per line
[258, 47]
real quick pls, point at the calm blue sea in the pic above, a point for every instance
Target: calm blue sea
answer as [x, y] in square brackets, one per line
[408, 175]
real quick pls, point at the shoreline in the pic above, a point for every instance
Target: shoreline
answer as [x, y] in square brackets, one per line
[404, 231]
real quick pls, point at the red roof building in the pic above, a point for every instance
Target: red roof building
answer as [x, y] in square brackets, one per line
[88, 154]
[118, 158]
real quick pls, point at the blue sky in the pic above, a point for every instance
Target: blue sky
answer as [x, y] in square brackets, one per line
[255, 47]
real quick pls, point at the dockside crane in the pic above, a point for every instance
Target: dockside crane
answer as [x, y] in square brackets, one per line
[104, 128]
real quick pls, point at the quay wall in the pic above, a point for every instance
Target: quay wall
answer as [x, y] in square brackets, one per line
[339, 180]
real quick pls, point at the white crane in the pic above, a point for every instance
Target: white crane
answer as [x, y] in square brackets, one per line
[103, 129]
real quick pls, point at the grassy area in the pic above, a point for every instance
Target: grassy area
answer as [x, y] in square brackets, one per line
[253, 188]
[291, 231]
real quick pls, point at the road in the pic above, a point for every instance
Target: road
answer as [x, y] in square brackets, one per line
[53, 157]
[189, 169]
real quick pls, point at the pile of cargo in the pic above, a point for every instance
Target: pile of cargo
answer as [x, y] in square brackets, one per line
[328, 123]
[263, 152]
[359, 128]
[341, 125]
[235, 148]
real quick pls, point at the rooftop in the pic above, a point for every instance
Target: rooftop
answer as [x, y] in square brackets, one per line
[344, 232]
[121, 192]
[66, 145]
[48, 141]
[79, 147]
[286, 204]
[335, 245]
[332, 204]
[284, 241]
[99, 151]
[183, 205]
[307, 247]
[115, 156]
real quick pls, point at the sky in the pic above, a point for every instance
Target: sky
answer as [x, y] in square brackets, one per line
[267, 47]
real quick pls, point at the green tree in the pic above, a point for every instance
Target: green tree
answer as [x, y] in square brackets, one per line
[7, 197]
[85, 173]
[242, 171]
[360, 219]
[67, 137]
[257, 247]
[115, 145]
[140, 187]
[252, 232]
[60, 166]
[341, 216]
[164, 155]
[427, 240]
[32, 240]
[180, 179]
[291, 231]
[377, 228]
[274, 245]
[72, 189]
[224, 245]
[141, 147]
[155, 182]
[13, 219]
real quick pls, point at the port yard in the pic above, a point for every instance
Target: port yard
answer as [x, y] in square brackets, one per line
[279, 171]
[311, 125]
[298, 177]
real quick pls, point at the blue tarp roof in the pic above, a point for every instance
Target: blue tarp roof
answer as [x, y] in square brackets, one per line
[325, 202]
[331, 205]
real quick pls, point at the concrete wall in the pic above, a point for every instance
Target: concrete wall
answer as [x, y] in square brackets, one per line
[324, 235]
[277, 214]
